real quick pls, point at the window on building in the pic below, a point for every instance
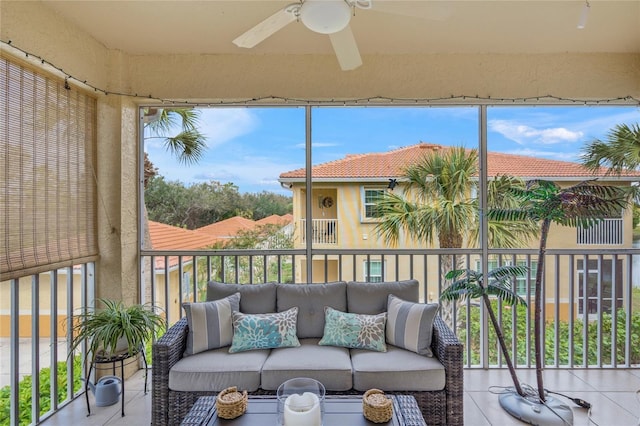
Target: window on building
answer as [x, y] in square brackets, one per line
[521, 281]
[373, 271]
[371, 197]
[599, 285]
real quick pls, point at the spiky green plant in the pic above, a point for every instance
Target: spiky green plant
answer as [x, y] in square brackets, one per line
[470, 284]
[103, 327]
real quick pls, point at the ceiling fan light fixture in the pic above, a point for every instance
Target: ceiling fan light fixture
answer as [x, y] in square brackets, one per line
[325, 16]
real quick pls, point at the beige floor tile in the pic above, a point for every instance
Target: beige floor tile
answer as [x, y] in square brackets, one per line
[473, 415]
[604, 412]
[609, 380]
[629, 401]
[493, 412]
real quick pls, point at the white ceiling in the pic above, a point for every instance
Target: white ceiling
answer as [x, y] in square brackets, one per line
[390, 27]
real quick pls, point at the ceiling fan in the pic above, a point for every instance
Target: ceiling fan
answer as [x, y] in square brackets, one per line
[329, 17]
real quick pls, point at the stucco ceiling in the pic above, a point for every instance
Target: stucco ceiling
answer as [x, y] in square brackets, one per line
[390, 27]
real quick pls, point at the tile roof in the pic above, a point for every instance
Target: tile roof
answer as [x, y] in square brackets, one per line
[274, 219]
[165, 236]
[168, 237]
[391, 164]
[229, 227]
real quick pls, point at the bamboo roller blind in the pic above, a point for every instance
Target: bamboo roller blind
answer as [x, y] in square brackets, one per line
[47, 185]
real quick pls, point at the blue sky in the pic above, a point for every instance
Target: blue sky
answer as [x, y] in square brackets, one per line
[251, 146]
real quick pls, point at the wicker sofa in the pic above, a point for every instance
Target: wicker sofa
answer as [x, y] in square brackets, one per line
[436, 382]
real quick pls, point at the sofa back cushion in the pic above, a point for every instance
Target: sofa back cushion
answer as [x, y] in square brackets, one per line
[310, 299]
[372, 298]
[255, 298]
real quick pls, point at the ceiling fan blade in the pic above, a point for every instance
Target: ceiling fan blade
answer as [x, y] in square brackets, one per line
[344, 44]
[266, 28]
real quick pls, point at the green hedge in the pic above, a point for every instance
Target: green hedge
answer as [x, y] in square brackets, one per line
[45, 392]
[549, 344]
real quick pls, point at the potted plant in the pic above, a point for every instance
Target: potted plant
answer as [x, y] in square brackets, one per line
[544, 202]
[116, 329]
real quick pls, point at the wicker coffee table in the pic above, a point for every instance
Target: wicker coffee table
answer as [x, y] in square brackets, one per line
[339, 411]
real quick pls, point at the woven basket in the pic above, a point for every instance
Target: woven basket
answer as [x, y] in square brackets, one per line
[230, 403]
[376, 407]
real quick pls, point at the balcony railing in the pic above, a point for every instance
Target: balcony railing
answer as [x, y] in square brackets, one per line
[36, 318]
[589, 306]
[603, 338]
[325, 231]
[607, 232]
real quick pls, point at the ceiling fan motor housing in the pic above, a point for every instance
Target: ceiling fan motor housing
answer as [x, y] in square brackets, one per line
[325, 16]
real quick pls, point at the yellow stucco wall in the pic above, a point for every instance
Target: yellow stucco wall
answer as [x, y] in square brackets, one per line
[24, 290]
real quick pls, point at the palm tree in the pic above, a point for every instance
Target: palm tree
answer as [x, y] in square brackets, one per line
[544, 202]
[439, 202]
[469, 284]
[189, 144]
[620, 151]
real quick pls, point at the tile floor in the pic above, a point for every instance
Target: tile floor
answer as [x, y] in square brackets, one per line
[612, 394]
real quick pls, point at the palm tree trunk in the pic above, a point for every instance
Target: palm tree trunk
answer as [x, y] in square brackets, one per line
[454, 321]
[503, 345]
[538, 308]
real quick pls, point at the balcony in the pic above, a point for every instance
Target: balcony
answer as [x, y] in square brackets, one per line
[81, 45]
[607, 377]
[324, 231]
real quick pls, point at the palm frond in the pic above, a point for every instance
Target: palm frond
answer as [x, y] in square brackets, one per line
[620, 151]
[187, 146]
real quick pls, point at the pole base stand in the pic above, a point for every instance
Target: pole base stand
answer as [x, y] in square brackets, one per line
[552, 413]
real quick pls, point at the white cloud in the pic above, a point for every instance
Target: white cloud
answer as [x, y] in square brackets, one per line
[552, 155]
[523, 134]
[221, 125]
[249, 173]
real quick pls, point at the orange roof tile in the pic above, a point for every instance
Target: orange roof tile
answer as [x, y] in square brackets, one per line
[165, 236]
[274, 219]
[228, 227]
[391, 164]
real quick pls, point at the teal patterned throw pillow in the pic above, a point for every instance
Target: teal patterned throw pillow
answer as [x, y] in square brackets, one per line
[264, 331]
[357, 331]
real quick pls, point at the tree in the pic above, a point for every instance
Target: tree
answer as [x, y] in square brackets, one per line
[620, 151]
[439, 203]
[544, 202]
[189, 144]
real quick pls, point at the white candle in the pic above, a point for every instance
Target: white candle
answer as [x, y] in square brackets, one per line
[302, 410]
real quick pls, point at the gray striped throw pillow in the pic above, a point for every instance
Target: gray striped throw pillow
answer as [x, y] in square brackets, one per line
[210, 323]
[410, 325]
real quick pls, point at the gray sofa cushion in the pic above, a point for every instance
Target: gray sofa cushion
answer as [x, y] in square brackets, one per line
[254, 298]
[371, 298]
[311, 300]
[396, 370]
[217, 369]
[329, 365]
